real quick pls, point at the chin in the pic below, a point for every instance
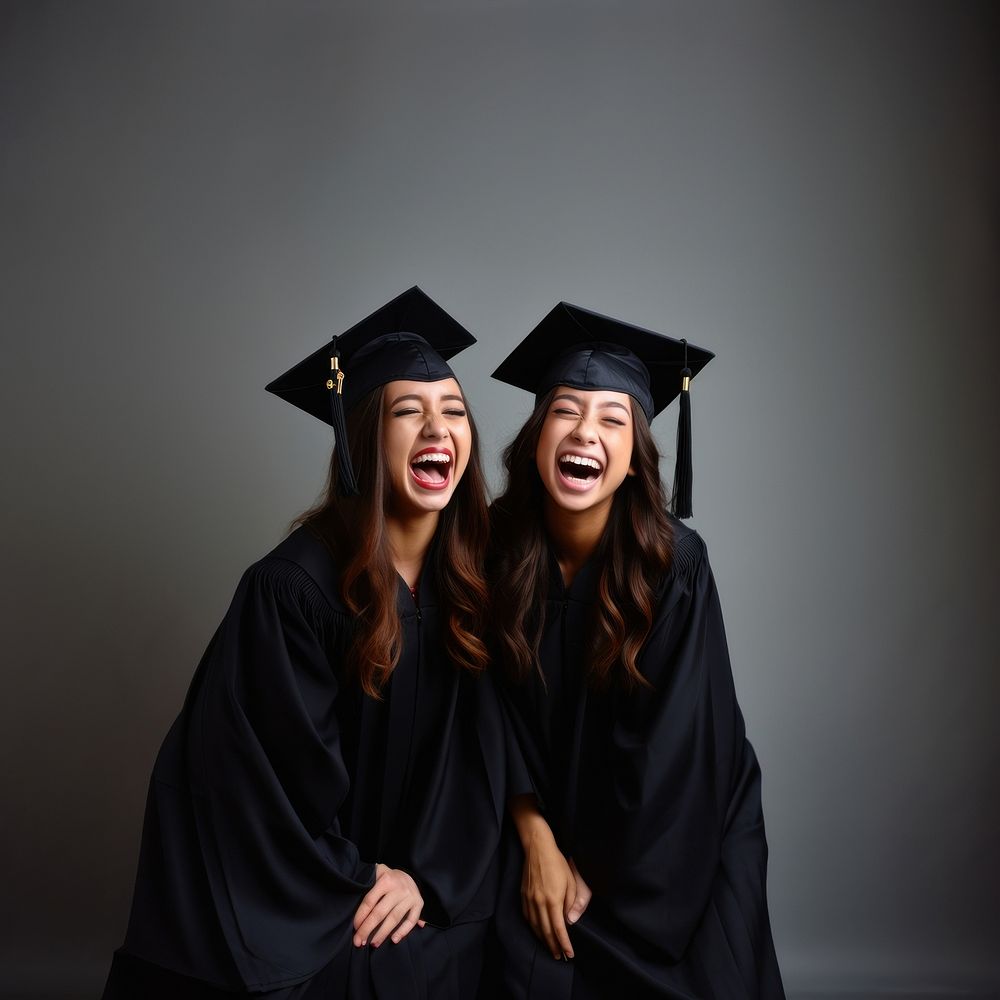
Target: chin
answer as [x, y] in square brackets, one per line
[576, 504]
[428, 504]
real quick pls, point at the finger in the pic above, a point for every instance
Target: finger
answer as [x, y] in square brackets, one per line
[374, 919]
[545, 926]
[559, 931]
[407, 925]
[371, 898]
[583, 897]
[534, 914]
[392, 920]
[570, 897]
[540, 925]
[403, 929]
[527, 906]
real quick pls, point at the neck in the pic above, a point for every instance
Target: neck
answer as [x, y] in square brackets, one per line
[575, 534]
[409, 540]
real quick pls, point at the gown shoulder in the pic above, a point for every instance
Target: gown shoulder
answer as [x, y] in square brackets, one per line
[689, 549]
[301, 566]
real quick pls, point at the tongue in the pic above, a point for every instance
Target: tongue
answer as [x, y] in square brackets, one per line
[428, 473]
[575, 471]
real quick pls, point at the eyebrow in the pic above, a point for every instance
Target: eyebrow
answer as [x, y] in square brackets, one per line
[420, 399]
[579, 401]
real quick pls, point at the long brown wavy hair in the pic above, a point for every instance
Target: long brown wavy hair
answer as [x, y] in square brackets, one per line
[633, 553]
[355, 531]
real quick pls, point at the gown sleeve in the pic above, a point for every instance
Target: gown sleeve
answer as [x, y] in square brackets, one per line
[242, 815]
[519, 779]
[671, 835]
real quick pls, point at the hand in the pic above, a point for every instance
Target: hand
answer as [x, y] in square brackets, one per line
[583, 895]
[548, 885]
[392, 906]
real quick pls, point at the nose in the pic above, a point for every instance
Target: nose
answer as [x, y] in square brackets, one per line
[585, 432]
[435, 427]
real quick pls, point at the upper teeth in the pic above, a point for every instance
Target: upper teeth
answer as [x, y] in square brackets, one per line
[580, 460]
[432, 456]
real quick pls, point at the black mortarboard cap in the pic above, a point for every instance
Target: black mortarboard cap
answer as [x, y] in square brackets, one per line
[583, 349]
[409, 338]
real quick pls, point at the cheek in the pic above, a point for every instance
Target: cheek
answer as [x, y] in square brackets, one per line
[546, 447]
[397, 448]
[462, 438]
[622, 453]
[541, 462]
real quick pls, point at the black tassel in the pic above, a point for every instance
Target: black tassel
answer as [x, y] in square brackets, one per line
[347, 485]
[683, 473]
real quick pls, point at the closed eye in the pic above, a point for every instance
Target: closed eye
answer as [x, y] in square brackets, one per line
[405, 413]
[566, 413]
[612, 420]
[455, 413]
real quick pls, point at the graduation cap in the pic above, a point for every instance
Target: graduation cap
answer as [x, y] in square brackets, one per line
[409, 338]
[583, 349]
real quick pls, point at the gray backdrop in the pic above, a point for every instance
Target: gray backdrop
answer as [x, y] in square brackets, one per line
[195, 194]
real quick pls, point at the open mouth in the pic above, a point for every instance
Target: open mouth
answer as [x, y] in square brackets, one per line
[579, 471]
[431, 468]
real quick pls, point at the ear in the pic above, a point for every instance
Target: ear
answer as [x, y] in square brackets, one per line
[631, 470]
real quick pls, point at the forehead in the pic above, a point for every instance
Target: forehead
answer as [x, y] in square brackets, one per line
[594, 398]
[422, 390]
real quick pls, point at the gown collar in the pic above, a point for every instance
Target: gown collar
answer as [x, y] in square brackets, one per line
[426, 596]
[583, 589]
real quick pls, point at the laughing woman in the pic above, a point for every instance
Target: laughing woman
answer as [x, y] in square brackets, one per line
[323, 816]
[640, 857]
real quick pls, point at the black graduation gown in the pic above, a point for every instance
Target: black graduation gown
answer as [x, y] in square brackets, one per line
[655, 794]
[281, 784]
